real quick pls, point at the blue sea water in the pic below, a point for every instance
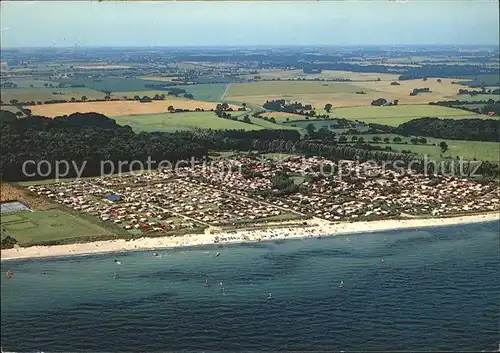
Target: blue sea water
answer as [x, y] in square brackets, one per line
[436, 289]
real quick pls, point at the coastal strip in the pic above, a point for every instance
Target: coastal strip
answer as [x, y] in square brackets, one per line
[315, 228]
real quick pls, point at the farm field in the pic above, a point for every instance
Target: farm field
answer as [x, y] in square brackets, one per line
[30, 82]
[307, 92]
[113, 84]
[325, 74]
[119, 108]
[479, 97]
[272, 126]
[29, 227]
[342, 94]
[102, 67]
[10, 108]
[282, 116]
[439, 90]
[206, 92]
[43, 94]
[485, 151]
[160, 78]
[396, 115]
[171, 122]
[273, 88]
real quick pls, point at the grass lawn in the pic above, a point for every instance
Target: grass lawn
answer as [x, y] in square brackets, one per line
[28, 227]
[396, 115]
[170, 122]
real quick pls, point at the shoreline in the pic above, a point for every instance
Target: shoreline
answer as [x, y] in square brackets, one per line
[318, 228]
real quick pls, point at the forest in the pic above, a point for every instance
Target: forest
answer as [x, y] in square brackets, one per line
[461, 129]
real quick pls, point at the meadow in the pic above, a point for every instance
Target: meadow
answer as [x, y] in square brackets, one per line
[30, 227]
[486, 151]
[119, 108]
[171, 122]
[398, 114]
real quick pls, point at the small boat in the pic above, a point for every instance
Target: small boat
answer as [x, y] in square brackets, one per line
[270, 296]
[155, 254]
[341, 284]
[118, 262]
[217, 254]
[206, 284]
[9, 274]
[382, 261]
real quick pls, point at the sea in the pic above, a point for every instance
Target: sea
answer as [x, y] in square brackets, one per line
[432, 289]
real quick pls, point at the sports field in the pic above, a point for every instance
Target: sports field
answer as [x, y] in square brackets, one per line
[118, 108]
[171, 122]
[29, 227]
[396, 115]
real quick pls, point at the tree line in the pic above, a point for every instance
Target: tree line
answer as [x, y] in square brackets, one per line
[460, 129]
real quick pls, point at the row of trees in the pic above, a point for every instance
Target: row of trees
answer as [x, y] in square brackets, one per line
[489, 107]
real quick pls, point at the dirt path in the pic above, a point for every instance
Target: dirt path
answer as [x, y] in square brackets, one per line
[225, 92]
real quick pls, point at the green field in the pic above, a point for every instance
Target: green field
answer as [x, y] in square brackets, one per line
[27, 82]
[396, 115]
[10, 108]
[211, 92]
[40, 226]
[284, 88]
[479, 97]
[170, 122]
[208, 92]
[485, 151]
[113, 84]
[43, 94]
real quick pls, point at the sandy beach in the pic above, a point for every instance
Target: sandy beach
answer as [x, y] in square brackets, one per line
[315, 227]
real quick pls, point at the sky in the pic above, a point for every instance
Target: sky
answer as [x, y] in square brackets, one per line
[309, 23]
